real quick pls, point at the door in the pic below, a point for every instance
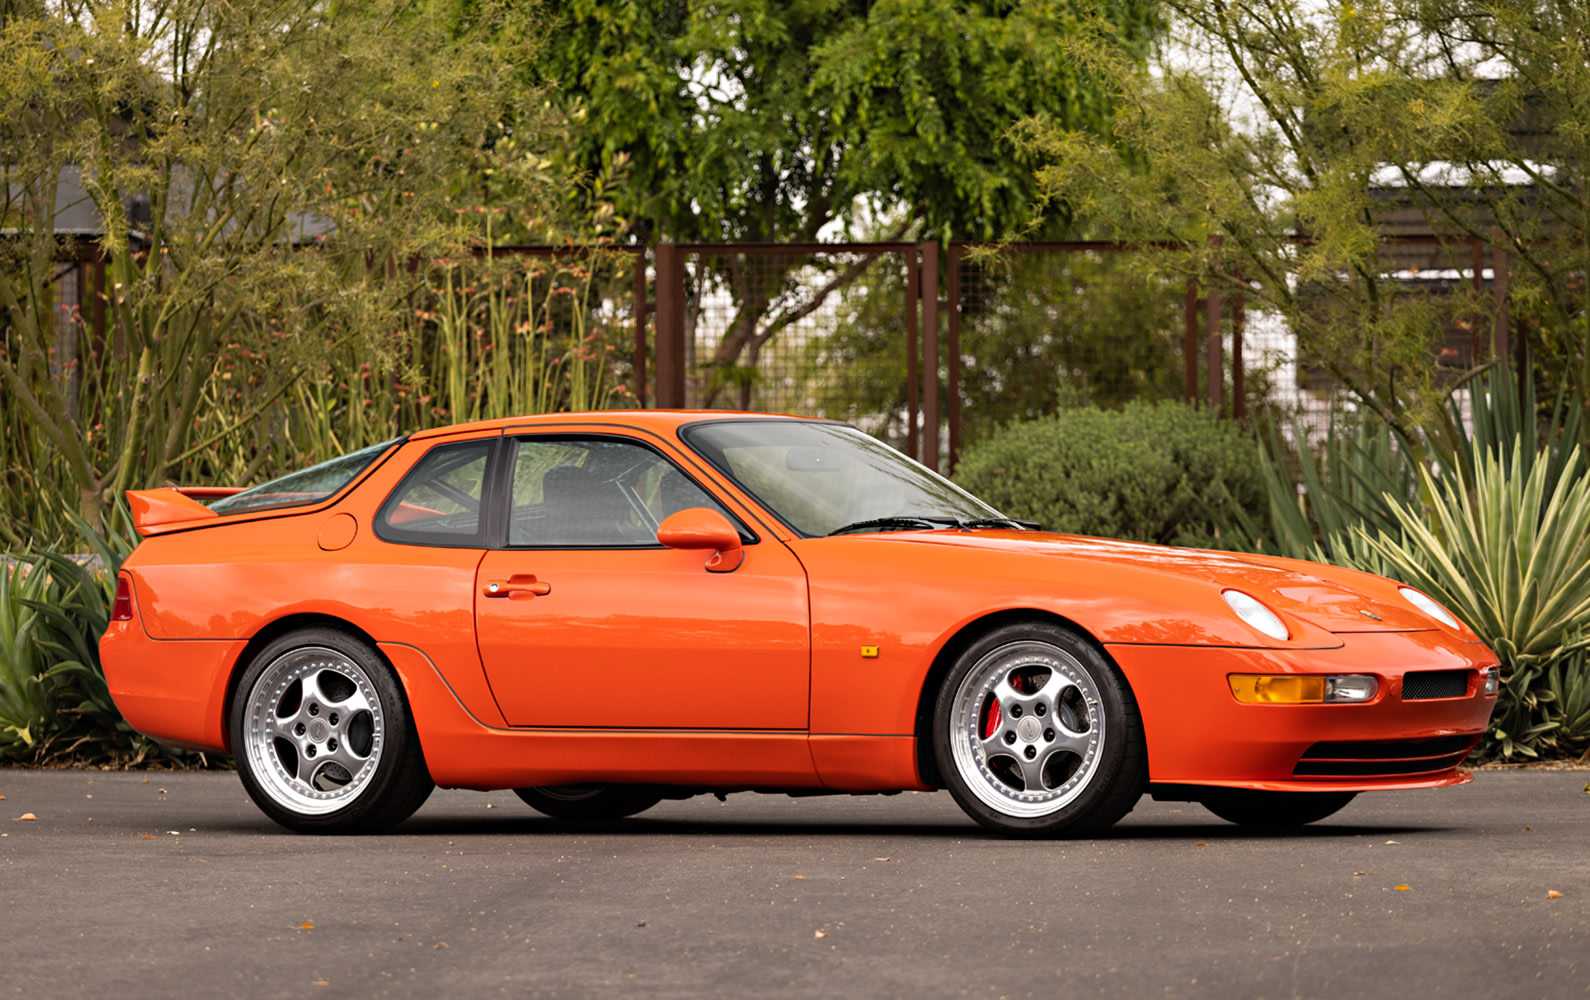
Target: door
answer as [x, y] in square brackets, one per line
[592, 623]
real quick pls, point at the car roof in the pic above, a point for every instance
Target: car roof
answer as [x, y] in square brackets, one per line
[656, 421]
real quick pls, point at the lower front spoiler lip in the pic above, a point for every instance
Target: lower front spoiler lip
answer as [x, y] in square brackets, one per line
[1192, 791]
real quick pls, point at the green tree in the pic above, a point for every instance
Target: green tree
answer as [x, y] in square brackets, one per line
[1305, 133]
[263, 175]
[767, 120]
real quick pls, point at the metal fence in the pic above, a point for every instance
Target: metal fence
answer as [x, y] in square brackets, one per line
[931, 347]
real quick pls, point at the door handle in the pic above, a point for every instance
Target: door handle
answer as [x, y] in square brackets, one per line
[519, 587]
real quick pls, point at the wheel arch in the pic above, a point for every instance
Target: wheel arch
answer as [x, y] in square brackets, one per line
[270, 633]
[926, 763]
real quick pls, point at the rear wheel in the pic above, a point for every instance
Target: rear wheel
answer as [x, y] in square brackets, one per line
[1275, 810]
[588, 803]
[1037, 734]
[322, 736]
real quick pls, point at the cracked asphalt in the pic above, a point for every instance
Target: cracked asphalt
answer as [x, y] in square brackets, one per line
[133, 885]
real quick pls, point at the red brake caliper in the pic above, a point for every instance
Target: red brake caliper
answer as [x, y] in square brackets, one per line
[991, 726]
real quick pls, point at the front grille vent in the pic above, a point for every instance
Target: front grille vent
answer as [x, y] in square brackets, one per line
[1381, 758]
[1422, 684]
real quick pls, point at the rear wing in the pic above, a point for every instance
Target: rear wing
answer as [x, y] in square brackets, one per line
[158, 509]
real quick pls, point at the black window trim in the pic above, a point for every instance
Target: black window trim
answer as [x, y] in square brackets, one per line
[502, 486]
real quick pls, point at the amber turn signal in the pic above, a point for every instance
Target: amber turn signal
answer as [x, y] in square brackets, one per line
[1302, 689]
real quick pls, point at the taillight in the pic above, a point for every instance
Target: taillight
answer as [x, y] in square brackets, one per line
[121, 610]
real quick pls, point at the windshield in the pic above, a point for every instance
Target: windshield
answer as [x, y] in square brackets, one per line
[307, 486]
[822, 477]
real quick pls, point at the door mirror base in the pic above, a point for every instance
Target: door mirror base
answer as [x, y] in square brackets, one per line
[704, 528]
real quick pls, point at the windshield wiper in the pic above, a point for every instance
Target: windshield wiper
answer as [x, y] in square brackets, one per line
[909, 523]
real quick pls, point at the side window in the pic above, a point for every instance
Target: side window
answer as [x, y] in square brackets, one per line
[595, 492]
[439, 501]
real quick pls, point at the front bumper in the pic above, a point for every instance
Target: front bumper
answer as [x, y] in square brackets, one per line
[1199, 734]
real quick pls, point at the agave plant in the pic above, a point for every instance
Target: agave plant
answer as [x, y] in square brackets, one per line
[1509, 553]
[25, 704]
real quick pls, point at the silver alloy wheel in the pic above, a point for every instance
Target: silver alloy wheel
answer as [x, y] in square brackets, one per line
[313, 730]
[1027, 727]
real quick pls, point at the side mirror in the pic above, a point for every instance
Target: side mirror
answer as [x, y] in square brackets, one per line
[704, 528]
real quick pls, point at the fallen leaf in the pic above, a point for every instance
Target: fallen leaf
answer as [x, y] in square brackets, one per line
[1404, 887]
[800, 876]
[439, 944]
[1202, 843]
[148, 836]
[819, 934]
[1360, 873]
[3, 798]
[1391, 841]
[321, 982]
[25, 816]
[1553, 894]
[1529, 829]
[306, 926]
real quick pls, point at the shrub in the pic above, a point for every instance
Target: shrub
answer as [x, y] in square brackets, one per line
[1149, 472]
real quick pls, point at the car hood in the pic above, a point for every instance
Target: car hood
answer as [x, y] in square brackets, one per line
[1330, 598]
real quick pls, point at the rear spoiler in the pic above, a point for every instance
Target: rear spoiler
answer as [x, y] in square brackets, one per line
[162, 507]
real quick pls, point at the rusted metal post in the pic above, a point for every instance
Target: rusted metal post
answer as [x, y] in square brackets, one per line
[913, 367]
[670, 326]
[1214, 359]
[930, 355]
[1190, 341]
[641, 309]
[952, 310]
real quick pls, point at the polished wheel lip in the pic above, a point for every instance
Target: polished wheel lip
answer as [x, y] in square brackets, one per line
[967, 746]
[262, 727]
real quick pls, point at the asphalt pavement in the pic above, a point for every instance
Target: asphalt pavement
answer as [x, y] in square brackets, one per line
[131, 885]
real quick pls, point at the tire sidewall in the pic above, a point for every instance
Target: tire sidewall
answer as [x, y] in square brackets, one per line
[1120, 775]
[400, 743]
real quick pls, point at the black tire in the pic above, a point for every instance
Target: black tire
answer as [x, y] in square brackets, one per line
[588, 803]
[1065, 758]
[323, 738]
[1275, 810]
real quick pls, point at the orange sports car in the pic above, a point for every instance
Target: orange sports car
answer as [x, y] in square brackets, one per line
[604, 610]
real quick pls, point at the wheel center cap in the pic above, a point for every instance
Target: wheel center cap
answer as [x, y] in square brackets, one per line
[318, 731]
[1029, 729]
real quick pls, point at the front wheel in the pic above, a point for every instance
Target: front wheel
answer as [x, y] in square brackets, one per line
[588, 803]
[1274, 810]
[1037, 734]
[322, 736]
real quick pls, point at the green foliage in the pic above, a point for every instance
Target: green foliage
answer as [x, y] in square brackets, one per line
[25, 704]
[264, 181]
[1154, 473]
[1308, 133]
[768, 120]
[1507, 550]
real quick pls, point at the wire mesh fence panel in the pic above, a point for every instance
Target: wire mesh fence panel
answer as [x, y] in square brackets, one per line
[810, 330]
